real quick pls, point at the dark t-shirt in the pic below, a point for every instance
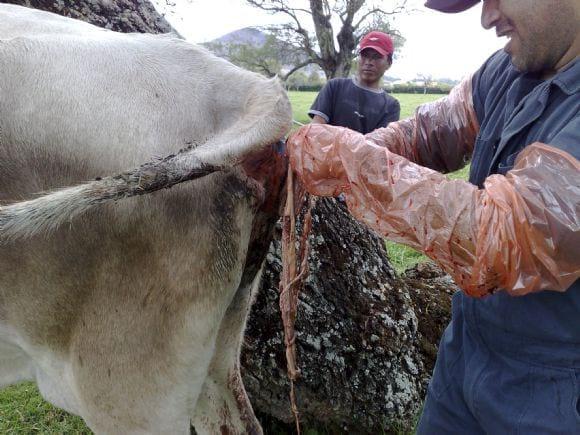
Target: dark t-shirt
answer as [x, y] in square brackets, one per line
[345, 103]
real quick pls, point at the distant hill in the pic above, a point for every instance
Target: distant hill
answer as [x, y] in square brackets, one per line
[256, 38]
[248, 35]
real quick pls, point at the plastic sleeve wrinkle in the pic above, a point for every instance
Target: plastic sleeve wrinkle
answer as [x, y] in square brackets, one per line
[521, 232]
[439, 136]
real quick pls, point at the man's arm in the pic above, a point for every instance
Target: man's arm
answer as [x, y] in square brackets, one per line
[394, 113]
[440, 135]
[520, 233]
[321, 109]
[317, 119]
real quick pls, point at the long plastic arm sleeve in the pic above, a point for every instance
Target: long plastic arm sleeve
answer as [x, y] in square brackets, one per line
[520, 233]
[439, 136]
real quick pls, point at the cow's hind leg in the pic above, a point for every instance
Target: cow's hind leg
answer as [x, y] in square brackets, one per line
[15, 365]
[223, 405]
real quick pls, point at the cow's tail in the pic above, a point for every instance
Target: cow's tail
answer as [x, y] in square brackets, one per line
[50, 210]
[266, 120]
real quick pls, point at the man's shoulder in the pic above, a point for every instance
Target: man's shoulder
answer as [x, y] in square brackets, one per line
[337, 86]
[341, 80]
[340, 83]
[391, 101]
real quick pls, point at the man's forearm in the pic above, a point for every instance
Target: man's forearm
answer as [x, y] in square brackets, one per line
[509, 235]
[440, 135]
[317, 119]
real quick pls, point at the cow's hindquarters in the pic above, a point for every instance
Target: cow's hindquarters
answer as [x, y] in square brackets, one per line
[124, 306]
[223, 405]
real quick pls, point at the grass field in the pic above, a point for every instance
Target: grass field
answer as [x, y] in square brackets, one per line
[23, 411]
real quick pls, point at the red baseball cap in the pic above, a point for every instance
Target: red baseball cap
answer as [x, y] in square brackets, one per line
[450, 5]
[378, 41]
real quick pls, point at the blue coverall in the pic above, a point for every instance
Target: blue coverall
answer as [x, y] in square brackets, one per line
[512, 364]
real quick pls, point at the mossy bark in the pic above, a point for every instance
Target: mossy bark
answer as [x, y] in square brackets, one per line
[119, 15]
[365, 337]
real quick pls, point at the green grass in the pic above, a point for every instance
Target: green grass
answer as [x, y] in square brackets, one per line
[22, 409]
[402, 257]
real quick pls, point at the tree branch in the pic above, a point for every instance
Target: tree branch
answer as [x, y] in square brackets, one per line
[397, 10]
[296, 68]
[283, 7]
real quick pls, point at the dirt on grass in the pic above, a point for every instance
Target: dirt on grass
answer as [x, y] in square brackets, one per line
[431, 291]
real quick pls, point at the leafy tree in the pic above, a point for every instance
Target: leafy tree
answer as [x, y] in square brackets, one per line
[297, 80]
[332, 52]
[427, 80]
[261, 59]
[314, 78]
[268, 58]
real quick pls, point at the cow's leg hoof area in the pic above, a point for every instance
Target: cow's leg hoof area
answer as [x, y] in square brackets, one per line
[15, 365]
[223, 407]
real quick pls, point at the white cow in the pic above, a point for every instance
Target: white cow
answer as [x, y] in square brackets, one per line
[131, 314]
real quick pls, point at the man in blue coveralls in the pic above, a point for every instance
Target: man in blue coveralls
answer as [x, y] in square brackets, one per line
[509, 362]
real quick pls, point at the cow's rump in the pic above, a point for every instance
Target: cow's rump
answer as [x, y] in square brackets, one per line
[131, 314]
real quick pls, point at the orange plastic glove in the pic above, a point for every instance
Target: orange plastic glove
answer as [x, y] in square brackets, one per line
[440, 135]
[520, 233]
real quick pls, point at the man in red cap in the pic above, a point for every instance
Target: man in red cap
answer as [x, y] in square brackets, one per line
[509, 362]
[359, 103]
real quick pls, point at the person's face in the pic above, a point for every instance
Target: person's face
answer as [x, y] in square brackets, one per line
[371, 66]
[543, 34]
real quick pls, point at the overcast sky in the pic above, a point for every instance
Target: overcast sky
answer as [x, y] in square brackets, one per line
[438, 44]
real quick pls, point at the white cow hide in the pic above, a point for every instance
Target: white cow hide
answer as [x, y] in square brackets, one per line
[131, 314]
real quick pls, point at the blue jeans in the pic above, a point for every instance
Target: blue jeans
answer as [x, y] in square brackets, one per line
[488, 381]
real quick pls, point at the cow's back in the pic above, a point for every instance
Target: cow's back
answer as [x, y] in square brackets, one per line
[93, 101]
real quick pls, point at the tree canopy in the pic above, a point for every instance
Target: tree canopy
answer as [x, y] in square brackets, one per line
[338, 27]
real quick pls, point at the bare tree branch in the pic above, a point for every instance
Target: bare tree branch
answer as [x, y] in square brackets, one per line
[399, 9]
[278, 6]
[296, 68]
[331, 49]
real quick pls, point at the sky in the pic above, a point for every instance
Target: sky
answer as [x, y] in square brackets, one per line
[437, 44]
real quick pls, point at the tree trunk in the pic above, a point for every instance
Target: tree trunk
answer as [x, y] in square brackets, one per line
[335, 63]
[366, 338]
[347, 46]
[119, 15]
[324, 36]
